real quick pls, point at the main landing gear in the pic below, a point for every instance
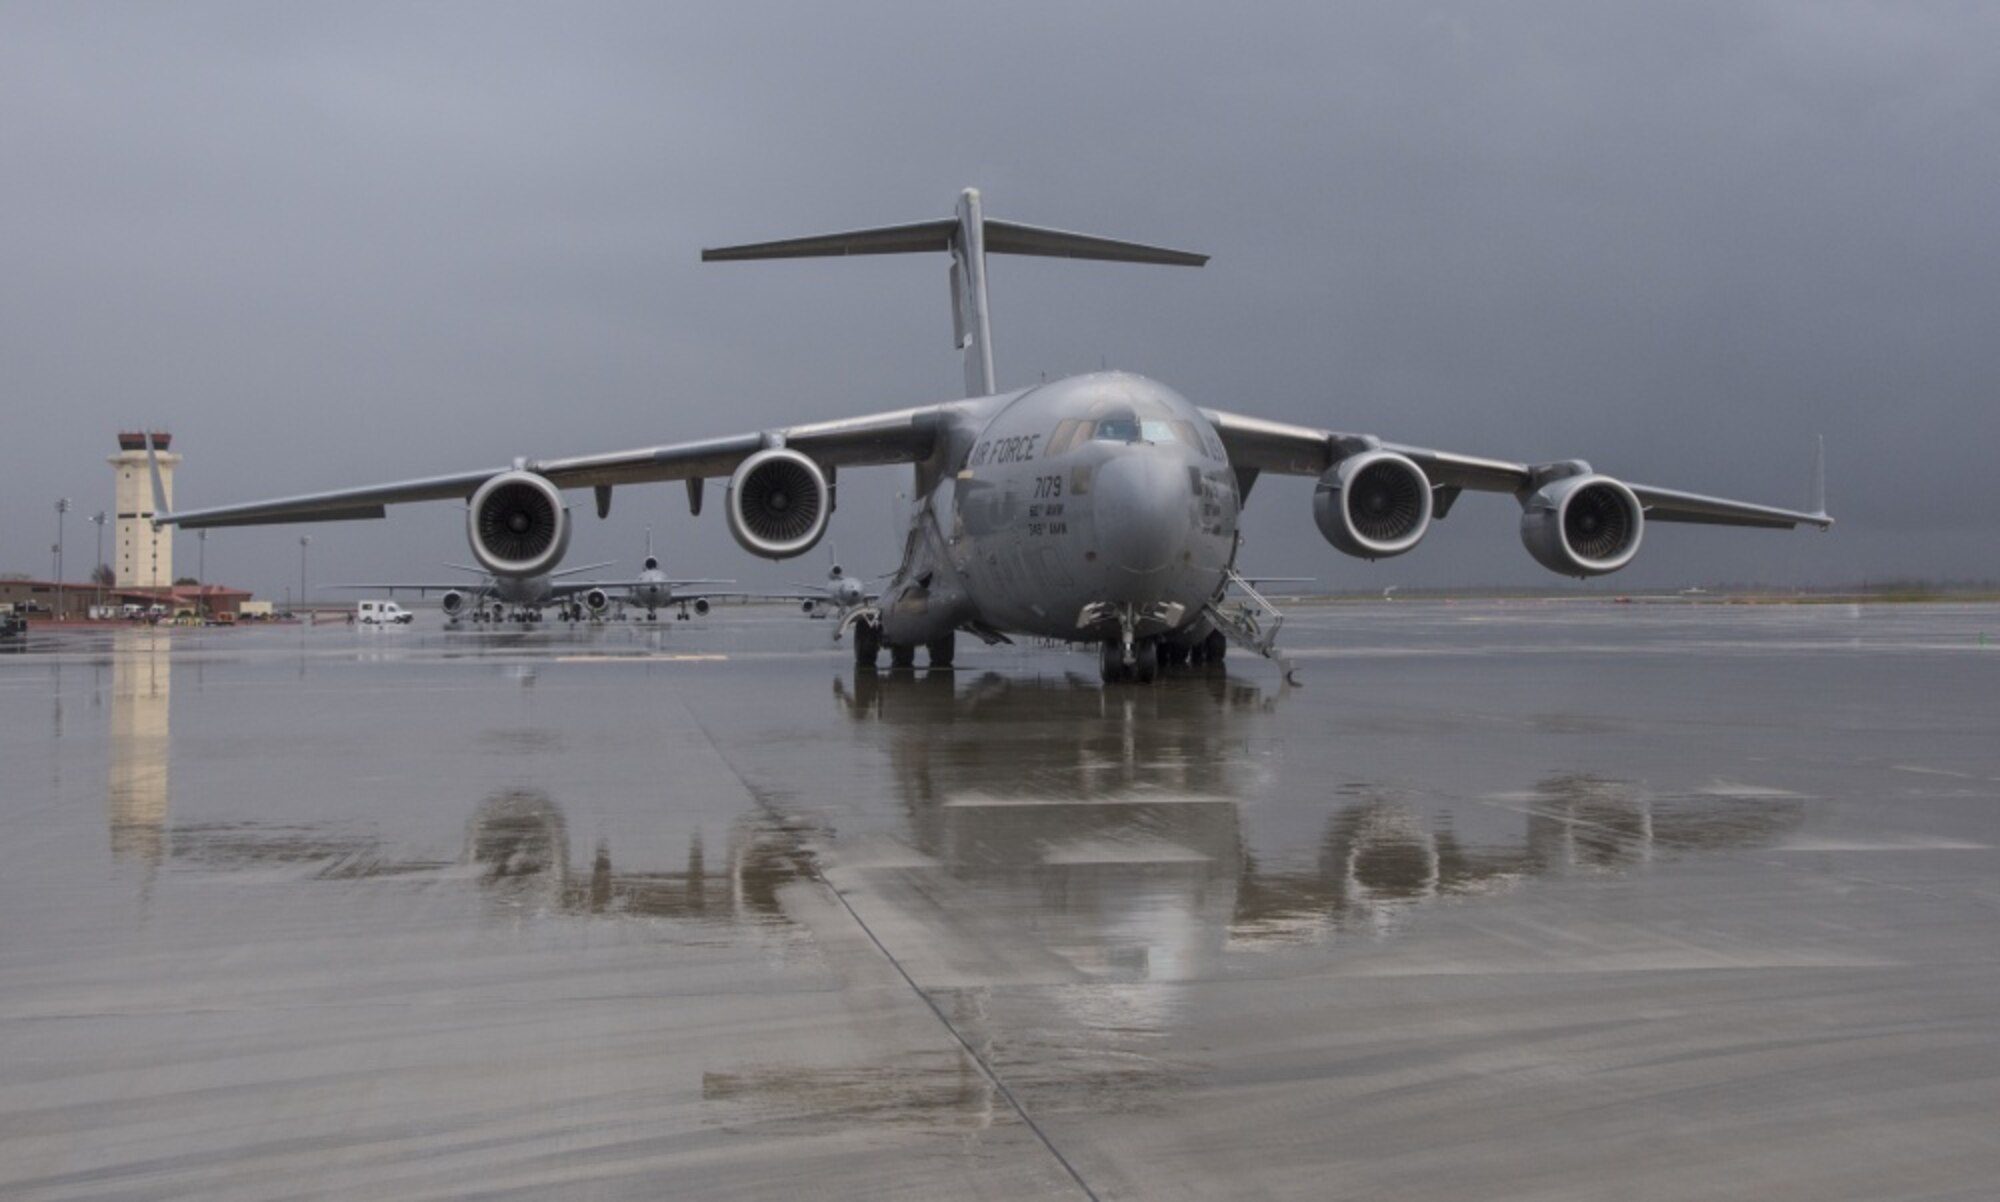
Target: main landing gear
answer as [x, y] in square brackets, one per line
[868, 644]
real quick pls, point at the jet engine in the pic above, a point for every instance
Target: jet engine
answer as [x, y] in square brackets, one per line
[518, 525]
[778, 503]
[1373, 505]
[1582, 525]
[701, 606]
[596, 600]
[453, 603]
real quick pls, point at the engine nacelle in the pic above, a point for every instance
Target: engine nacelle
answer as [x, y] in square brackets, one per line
[453, 603]
[701, 606]
[518, 525]
[1373, 505]
[596, 600]
[1583, 525]
[808, 607]
[778, 503]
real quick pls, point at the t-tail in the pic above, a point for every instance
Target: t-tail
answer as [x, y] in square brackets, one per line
[969, 237]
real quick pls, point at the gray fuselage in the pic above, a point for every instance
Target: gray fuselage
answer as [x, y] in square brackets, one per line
[1054, 510]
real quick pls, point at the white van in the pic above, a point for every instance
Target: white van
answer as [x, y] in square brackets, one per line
[382, 613]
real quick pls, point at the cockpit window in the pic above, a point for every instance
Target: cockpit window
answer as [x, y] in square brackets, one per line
[1069, 433]
[1118, 423]
[1129, 429]
[1118, 429]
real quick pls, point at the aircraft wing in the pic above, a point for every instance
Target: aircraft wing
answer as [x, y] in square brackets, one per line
[897, 436]
[1257, 445]
[463, 586]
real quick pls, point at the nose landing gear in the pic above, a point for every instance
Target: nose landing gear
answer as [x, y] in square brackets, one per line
[1144, 668]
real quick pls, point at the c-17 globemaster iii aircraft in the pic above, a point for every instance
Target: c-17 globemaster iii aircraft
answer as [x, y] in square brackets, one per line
[1101, 508]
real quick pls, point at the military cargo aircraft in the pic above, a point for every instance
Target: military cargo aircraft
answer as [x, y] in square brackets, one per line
[1101, 508]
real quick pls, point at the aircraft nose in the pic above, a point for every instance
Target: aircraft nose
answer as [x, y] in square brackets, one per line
[1142, 511]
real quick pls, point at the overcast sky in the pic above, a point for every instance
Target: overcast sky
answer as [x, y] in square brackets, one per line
[338, 244]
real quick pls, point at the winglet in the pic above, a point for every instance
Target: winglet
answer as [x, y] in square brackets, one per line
[1818, 498]
[161, 510]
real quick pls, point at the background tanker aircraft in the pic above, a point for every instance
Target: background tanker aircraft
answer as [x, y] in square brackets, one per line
[498, 593]
[1100, 508]
[840, 595]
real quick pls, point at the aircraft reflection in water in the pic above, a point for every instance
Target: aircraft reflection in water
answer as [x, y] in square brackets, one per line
[517, 853]
[1119, 813]
[518, 843]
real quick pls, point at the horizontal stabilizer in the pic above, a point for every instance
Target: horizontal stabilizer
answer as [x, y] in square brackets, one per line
[968, 238]
[1007, 238]
[1002, 238]
[888, 240]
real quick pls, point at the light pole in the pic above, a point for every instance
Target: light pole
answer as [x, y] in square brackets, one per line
[97, 569]
[305, 540]
[201, 568]
[62, 507]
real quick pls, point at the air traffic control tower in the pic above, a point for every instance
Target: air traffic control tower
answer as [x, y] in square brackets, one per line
[143, 555]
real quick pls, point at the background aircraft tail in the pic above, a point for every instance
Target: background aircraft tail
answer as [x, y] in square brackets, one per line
[969, 238]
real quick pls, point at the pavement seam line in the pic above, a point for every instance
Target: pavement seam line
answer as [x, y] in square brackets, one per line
[945, 1021]
[815, 874]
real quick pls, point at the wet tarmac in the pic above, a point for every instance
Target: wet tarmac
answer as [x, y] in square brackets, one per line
[1529, 901]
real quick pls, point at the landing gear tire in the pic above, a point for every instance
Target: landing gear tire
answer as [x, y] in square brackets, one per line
[1214, 647]
[1146, 661]
[867, 644]
[942, 649]
[902, 656]
[1111, 663]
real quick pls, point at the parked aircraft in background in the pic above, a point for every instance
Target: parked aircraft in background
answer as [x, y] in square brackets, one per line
[1101, 508]
[497, 597]
[839, 596]
[654, 590]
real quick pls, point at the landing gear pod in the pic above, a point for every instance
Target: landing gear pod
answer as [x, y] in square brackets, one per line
[518, 525]
[1585, 525]
[778, 504]
[1373, 505]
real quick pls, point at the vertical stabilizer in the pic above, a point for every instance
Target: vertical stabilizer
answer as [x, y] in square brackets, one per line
[970, 319]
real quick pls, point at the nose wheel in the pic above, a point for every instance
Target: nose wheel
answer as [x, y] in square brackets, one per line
[1144, 668]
